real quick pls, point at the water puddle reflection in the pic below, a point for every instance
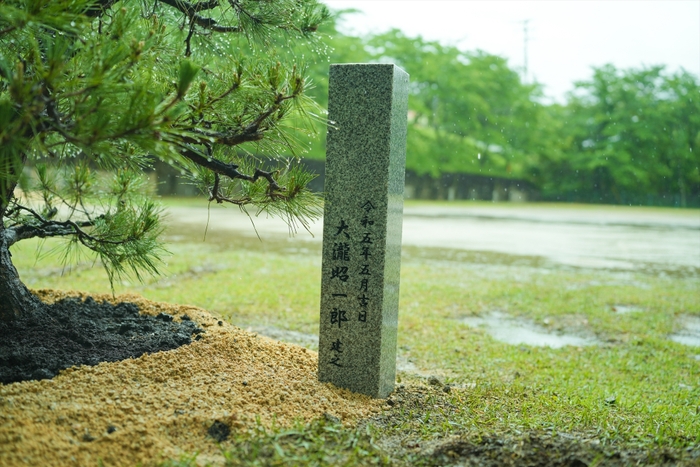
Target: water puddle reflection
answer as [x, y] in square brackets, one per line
[505, 328]
[690, 334]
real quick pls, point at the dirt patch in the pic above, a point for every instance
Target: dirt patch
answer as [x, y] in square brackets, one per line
[163, 404]
[543, 450]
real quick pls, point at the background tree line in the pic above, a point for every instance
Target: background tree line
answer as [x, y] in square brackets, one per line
[623, 136]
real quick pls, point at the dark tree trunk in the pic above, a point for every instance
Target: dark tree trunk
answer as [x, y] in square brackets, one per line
[15, 297]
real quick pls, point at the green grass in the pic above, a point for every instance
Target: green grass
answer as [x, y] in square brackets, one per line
[321, 442]
[654, 381]
[635, 389]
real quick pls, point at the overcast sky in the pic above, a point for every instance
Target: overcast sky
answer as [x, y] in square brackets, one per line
[565, 37]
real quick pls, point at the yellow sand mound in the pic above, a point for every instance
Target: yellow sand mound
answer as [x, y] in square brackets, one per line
[161, 405]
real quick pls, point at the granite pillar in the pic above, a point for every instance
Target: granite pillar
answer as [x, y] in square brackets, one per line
[365, 169]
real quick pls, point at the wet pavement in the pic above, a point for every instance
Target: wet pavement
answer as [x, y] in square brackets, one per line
[608, 237]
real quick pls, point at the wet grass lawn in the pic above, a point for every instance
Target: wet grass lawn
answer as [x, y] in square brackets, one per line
[631, 396]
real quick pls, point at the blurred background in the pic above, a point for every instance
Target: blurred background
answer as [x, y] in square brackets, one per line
[593, 102]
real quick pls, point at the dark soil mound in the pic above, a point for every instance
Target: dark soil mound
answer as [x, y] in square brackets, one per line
[75, 332]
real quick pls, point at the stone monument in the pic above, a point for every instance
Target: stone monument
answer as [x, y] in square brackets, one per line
[365, 170]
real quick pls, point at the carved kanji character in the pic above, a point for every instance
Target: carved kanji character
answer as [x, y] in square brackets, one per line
[341, 272]
[342, 228]
[365, 252]
[338, 317]
[363, 285]
[364, 300]
[341, 251]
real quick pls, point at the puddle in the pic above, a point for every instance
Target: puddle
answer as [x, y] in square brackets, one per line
[504, 328]
[405, 364]
[690, 334]
[620, 280]
[624, 309]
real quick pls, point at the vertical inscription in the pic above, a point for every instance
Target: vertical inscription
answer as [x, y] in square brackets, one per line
[350, 281]
[362, 227]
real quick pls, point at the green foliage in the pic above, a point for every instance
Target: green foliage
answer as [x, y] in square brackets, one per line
[334, 48]
[632, 136]
[90, 87]
[469, 112]
[295, 205]
[187, 73]
[110, 215]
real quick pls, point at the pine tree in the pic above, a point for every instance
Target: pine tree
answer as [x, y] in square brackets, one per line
[92, 91]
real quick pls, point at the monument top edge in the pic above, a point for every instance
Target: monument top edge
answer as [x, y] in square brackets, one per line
[378, 65]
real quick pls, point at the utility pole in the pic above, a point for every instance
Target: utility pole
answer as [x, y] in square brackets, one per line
[525, 40]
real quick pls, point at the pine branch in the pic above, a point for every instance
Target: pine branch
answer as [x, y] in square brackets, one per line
[191, 11]
[229, 170]
[252, 132]
[7, 30]
[49, 228]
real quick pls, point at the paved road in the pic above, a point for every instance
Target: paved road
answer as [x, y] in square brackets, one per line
[597, 237]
